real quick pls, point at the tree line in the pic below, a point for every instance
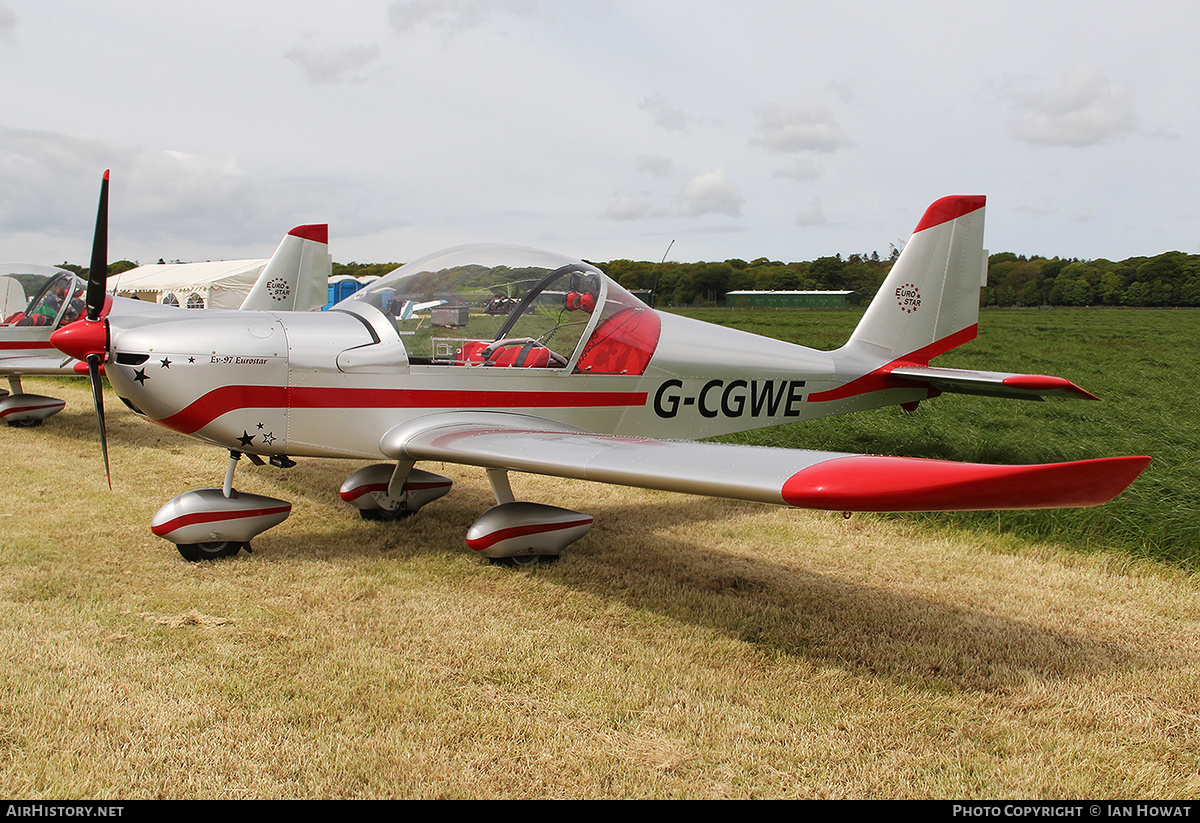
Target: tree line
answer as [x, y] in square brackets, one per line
[1168, 279]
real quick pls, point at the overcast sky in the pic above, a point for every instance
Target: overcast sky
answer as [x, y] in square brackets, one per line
[598, 128]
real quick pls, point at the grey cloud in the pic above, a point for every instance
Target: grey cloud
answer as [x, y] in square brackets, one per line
[8, 20]
[44, 177]
[1084, 110]
[664, 114]
[322, 66]
[804, 171]
[628, 207]
[655, 165]
[51, 182]
[453, 16]
[792, 129]
[711, 193]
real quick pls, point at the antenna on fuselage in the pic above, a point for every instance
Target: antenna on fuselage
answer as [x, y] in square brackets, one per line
[658, 274]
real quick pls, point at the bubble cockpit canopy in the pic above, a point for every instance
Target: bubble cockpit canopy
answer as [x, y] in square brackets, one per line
[34, 295]
[495, 305]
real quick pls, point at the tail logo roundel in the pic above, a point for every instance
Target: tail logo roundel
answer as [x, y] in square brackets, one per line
[908, 297]
[278, 289]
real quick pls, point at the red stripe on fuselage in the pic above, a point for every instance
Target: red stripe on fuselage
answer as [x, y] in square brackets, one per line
[28, 344]
[880, 378]
[232, 398]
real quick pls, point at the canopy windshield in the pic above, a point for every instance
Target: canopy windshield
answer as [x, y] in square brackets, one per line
[33, 295]
[500, 305]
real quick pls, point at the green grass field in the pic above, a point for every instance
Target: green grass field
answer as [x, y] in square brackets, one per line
[684, 648]
[1143, 365]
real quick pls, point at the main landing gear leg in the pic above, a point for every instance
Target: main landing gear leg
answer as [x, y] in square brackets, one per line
[208, 524]
[514, 533]
[386, 492]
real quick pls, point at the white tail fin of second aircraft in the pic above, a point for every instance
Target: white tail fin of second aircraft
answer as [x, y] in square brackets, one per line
[296, 277]
[929, 302]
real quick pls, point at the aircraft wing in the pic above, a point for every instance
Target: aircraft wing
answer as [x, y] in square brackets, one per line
[991, 384]
[57, 363]
[802, 478]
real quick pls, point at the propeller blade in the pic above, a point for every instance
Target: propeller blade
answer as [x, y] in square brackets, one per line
[93, 362]
[98, 274]
[97, 284]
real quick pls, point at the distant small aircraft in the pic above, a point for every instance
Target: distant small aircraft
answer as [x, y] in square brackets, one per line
[575, 378]
[37, 300]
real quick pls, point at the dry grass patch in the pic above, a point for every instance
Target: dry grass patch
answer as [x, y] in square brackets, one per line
[684, 648]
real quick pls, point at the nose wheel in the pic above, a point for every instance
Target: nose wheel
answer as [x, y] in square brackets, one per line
[528, 561]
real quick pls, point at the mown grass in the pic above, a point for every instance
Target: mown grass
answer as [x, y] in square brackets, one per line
[1143, 365]
[685, 648]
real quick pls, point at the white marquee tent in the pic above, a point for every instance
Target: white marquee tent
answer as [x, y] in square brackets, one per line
[222, 284]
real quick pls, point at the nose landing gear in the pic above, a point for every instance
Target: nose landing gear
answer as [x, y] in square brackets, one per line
[210, 524]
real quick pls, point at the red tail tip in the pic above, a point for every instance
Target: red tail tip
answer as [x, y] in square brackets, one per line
[318, 232]
[950, 208]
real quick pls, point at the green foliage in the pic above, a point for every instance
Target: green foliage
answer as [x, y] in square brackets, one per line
[1169, 279]
[705, 283]
[1141, 362]
[363, 269]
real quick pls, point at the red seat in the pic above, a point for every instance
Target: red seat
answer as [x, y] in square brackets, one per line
[525, 354]
[530, 356]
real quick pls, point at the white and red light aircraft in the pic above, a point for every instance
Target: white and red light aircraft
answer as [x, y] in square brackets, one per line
[577, 378]
[36, 300]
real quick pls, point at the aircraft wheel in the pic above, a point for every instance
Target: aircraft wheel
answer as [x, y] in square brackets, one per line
[524, 562]
[195, 552]
[385, 515]
[24, 424]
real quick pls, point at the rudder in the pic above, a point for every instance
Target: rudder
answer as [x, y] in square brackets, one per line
[296, 277]
[929, 302]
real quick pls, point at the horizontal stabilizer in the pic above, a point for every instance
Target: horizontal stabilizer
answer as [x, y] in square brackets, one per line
[990, 384]
[795, 477]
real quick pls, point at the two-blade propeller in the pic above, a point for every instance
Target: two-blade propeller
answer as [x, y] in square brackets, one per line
[87, 340]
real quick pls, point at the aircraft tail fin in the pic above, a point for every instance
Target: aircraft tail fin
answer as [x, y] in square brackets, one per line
[296, 278]
[929, 302]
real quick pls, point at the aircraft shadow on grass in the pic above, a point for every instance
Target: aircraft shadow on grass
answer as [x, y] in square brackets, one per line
[781, 609]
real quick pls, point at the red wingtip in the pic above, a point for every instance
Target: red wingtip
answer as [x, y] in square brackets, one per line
[950, 208]
[106, 174]
[1045, 383]
[870, 483]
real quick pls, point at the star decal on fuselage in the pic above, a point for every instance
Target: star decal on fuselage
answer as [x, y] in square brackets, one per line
[140, 376]
[166, 362]
[246, 439]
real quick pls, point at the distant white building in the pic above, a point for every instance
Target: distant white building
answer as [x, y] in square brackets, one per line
[791, 299]
[222, 284]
